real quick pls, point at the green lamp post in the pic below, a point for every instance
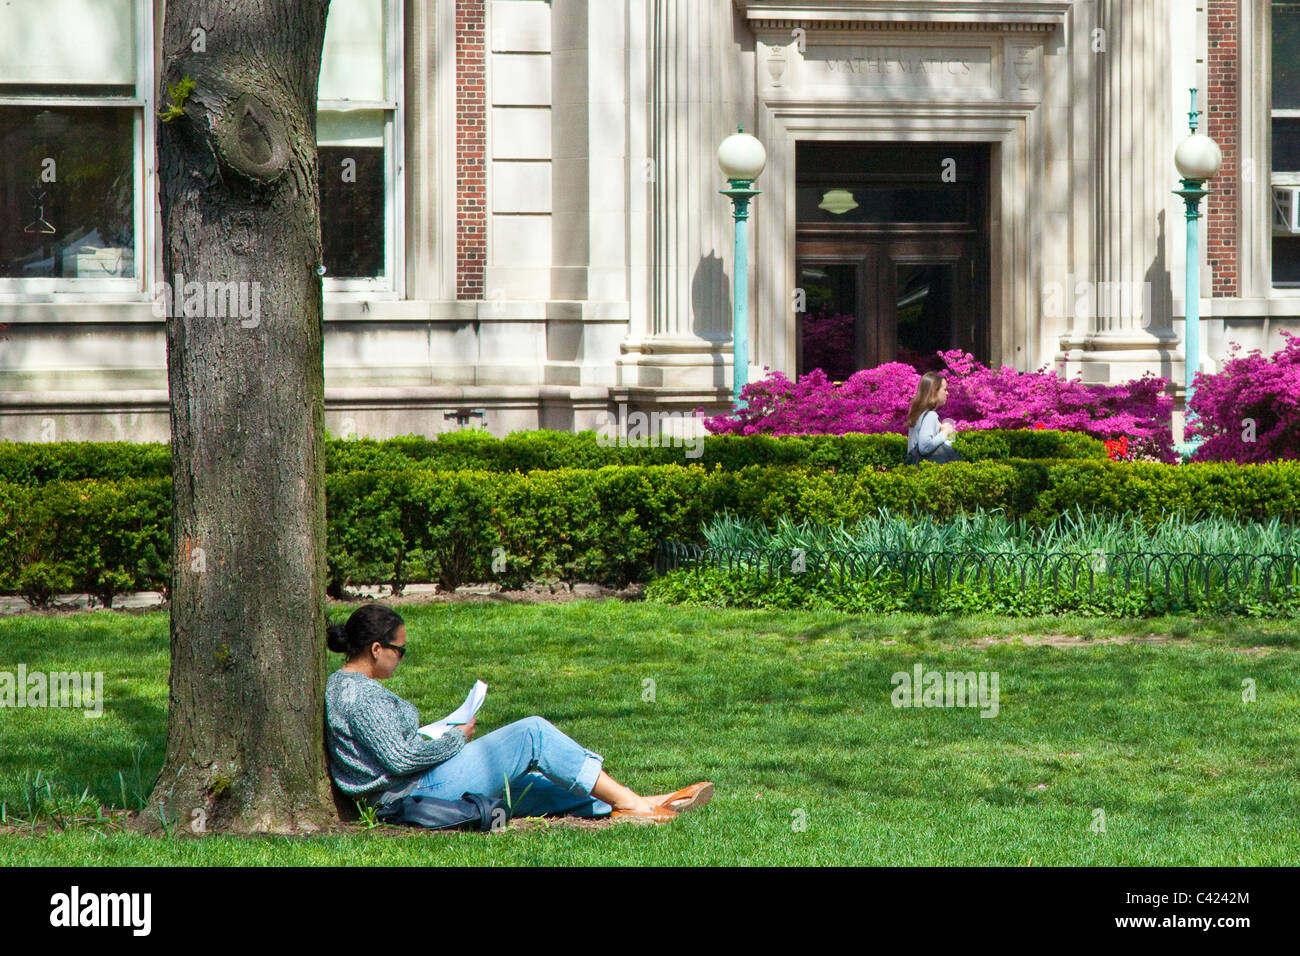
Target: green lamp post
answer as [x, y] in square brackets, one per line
[1198, 159]
[742, 159]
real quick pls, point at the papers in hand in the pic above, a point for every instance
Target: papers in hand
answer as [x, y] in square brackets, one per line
[461, 715]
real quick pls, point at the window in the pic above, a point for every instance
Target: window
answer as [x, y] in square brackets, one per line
[74, 90]
[359, 136]
[1286, 144]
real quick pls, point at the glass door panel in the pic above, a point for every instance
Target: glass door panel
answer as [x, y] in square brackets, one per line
[830, 327]
[924, 306]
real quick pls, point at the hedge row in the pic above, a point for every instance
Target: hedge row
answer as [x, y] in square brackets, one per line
[36, 463]
[594, 525]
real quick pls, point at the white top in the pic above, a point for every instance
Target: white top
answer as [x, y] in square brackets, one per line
[925, 434]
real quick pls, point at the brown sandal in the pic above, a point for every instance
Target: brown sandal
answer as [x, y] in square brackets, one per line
[689, 798]
[660, 814]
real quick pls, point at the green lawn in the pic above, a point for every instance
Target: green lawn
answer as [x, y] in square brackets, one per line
[790, 714]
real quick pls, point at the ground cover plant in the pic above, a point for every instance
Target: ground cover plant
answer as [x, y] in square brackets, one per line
[1084, 562]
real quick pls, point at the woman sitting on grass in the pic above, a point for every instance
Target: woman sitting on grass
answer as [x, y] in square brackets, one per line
[377, 753]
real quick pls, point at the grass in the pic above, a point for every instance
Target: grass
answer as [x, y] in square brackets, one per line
[789, 713]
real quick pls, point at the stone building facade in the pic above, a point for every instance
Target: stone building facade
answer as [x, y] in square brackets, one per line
[521, 209]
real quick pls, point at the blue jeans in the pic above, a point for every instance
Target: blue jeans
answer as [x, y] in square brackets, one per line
[548, 772]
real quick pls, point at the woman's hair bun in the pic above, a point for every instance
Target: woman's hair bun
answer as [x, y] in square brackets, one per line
[336, 637]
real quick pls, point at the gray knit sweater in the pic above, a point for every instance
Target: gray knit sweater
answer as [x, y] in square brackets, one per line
[375, 748]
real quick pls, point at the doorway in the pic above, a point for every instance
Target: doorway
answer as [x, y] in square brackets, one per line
[892, 255]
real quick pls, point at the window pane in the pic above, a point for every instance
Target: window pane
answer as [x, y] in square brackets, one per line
[1286, 56]
[1286, 262]
[1286, 145]
[68, 41]
[67, 193]
[353, 188]
[925, 312]
[352, 67]
[943, 203]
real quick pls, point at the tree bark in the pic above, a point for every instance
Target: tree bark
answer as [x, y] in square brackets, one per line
[240, 204]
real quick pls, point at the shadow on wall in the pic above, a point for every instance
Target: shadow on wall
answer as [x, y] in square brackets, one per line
[1162, 297]
[711, 310]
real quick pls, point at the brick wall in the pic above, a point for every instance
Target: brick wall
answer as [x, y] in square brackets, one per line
[471, 149]
[1222, 124]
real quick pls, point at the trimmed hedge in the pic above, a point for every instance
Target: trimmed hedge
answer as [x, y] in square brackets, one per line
[100, 537]
[594, 525]
[33, 463]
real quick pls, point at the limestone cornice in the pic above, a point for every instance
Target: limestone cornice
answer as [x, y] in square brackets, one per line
[920, 15]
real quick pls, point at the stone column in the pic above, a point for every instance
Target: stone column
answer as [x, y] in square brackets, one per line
[1123, 312]
[697, 70]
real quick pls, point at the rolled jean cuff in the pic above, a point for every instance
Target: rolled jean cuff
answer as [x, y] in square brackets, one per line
[589, 773]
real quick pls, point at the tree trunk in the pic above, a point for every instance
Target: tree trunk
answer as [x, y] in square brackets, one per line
[242, 252]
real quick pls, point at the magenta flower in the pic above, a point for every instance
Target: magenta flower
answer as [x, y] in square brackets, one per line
[876, 400]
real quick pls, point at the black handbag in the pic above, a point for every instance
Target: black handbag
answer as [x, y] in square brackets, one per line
[473, 811]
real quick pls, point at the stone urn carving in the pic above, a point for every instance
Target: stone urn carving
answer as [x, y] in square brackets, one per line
[776, 64]
[1024, 65]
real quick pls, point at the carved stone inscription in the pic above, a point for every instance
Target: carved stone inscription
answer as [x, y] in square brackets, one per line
[909, 66]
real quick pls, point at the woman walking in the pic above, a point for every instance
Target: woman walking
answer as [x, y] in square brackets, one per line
[927, 438]
[378, 754]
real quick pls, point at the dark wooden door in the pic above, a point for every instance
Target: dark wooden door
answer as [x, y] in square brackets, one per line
[892, 254]
[871, 300]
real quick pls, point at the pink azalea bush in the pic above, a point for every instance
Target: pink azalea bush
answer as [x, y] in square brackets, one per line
[1249, 411]
[876, 400]
[828, 342]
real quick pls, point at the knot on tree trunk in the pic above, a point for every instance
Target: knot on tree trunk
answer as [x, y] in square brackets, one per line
[251, 141]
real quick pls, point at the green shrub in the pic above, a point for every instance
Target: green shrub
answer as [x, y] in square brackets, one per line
[603, 524]
[39, 582]
[109, 537]
[34, 463]
[37, 463]
[1030, 444]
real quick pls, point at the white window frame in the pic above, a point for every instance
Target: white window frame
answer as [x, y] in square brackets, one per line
[1255, 211]
[144, 147]
[1284, 178]
[391, 284]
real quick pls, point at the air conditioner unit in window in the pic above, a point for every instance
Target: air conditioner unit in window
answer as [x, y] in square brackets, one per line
[1286, 210]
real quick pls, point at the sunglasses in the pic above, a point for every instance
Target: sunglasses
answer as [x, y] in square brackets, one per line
[400, 648]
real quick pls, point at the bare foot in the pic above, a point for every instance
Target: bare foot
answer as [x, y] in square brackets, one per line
[642, 804]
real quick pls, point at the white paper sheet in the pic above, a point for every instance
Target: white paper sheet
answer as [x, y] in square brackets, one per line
[461, 715]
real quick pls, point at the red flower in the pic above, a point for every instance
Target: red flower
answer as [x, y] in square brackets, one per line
[1040, 425]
